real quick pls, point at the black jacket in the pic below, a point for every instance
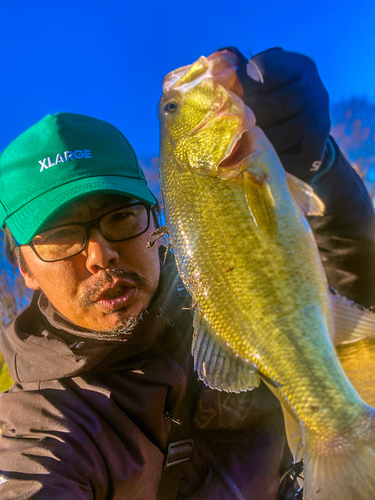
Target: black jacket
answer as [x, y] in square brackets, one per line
[346, 234]
[90, 419]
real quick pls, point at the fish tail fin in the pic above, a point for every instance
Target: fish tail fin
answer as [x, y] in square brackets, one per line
[343, 469]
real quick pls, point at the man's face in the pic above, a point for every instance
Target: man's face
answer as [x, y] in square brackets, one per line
[105, 285]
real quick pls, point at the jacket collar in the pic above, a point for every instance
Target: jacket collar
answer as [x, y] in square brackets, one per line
[41, 344]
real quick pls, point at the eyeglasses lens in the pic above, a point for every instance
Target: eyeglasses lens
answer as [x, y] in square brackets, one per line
[65, 241]
[125, 223]
[59, 243]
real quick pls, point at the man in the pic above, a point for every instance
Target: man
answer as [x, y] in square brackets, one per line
[105, 404]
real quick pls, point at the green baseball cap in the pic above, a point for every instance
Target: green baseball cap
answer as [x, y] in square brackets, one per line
[58, 160]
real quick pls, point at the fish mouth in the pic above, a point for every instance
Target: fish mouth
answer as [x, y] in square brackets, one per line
[241, 150]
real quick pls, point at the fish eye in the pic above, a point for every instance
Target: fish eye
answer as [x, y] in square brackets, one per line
[170, 107]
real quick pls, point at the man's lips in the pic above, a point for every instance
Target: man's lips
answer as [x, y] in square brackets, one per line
[117, 294]
[126, 298]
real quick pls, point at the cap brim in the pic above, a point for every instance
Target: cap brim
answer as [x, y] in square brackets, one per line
[28, 220]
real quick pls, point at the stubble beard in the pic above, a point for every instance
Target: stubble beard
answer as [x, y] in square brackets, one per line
[125, 329]
[127, 325]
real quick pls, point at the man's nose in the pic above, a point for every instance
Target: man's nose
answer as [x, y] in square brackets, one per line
[100, 253]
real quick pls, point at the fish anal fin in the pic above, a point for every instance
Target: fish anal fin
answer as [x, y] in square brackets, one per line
[292, 426]
[216, 365]
[261, 203]
[308, 201]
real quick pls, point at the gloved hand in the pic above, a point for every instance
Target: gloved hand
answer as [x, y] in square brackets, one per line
[291, 105]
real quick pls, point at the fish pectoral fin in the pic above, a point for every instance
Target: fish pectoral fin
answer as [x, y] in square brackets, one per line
[216, 365]
[308, 201]
[261, 203]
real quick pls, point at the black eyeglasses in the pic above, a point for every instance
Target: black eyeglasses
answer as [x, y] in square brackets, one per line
[67, 240]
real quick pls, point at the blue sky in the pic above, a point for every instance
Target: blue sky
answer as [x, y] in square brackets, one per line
[108, 59]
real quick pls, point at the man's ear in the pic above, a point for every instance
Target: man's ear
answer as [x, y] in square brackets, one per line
[30, 281]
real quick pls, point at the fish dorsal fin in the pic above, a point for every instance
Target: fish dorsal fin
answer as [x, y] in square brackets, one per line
[308, 201]
[355, 344]
[217, 366]
[358, 361]
[261, 203]
[352, 322]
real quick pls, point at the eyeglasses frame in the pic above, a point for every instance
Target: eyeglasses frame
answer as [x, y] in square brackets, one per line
[88, 226]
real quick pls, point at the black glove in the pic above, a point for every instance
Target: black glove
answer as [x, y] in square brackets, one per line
[290, 104]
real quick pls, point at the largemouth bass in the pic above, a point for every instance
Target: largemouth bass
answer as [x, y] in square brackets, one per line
[246, 253]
